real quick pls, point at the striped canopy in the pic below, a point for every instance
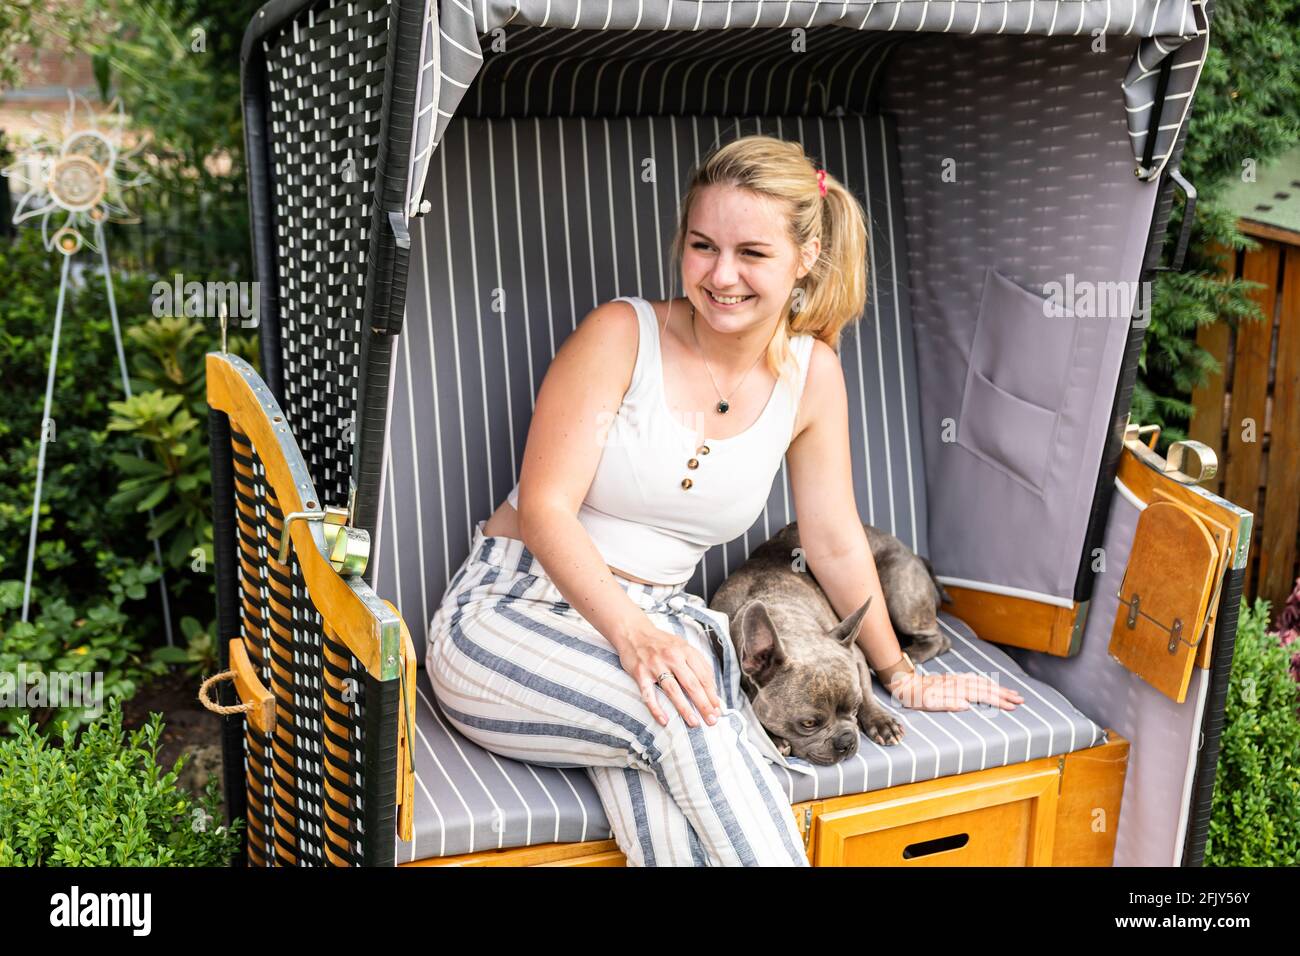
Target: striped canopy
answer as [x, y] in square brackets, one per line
[576, 54]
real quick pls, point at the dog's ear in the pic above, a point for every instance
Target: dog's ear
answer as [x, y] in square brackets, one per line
[761, 654]
[846, 631]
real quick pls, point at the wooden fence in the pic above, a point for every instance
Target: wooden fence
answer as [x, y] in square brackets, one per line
[1250, 412]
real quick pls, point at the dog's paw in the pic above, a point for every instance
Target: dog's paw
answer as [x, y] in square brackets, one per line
[782, 746]
[882, 727]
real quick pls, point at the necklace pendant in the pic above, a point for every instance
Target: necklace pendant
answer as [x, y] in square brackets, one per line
[723, 406]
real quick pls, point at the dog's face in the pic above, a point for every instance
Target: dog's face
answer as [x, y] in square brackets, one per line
[808, 689]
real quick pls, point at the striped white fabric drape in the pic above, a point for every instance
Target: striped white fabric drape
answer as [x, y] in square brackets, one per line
[580, 41]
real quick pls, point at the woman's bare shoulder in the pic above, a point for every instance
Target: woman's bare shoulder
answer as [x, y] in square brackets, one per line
[824, 362]
[602, 347]
[823, 386]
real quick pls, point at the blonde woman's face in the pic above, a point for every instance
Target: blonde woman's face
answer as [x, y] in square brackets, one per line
[738, 247]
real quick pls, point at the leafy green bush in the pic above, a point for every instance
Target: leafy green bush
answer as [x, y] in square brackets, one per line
[94, 638]
[170, 420]
[101, 801]
[1255, 818]
[178, 474]
[94, 604]
[75, 525]
[1246, 108]
[198, 653]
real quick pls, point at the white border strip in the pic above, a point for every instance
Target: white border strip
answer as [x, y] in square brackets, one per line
[1008, 591]
[1128, 496]
[1193, 751]
[385, 461]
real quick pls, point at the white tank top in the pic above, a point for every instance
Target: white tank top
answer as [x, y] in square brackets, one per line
[641, 518]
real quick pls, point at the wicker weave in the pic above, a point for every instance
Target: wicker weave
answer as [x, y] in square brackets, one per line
[309, 765]
[325, 79]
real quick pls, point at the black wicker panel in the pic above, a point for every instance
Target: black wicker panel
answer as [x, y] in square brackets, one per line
[1207, 760]
[325, 82]
[304, 783]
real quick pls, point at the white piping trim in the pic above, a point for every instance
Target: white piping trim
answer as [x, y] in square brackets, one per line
[1006, 590]
[1128, 496]
[1185, 803]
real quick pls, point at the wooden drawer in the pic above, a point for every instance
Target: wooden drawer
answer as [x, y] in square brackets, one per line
[1001, 817]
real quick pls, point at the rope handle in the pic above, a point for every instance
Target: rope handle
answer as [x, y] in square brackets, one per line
[256, 701]
[221, 708]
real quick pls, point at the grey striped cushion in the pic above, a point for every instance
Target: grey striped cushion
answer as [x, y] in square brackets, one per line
[468, 800]
[548, 218]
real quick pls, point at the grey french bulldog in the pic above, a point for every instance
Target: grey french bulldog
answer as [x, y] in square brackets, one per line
[801, 666]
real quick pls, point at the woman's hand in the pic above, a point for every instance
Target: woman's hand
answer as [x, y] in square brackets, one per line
[654, 652]
[950, 691]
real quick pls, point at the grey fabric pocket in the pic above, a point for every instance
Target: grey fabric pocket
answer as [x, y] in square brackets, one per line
[1015, 382]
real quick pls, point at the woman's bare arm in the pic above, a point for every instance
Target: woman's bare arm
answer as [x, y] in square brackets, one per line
[839, 555]
[834, 544]
[580, 395]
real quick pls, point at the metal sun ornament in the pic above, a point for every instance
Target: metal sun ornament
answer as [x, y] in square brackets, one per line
[73, 176]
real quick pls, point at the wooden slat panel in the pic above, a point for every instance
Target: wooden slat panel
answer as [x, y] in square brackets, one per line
[1277, 551]
[258, 773]
[1171, 574]
[1207, 420]
[1262, 230]
[1250, 381]
[1143, 474]
[280, 609]
[1014, 621]
[1087, 814]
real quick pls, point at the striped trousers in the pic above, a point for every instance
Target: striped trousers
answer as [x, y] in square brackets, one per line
[525, 676]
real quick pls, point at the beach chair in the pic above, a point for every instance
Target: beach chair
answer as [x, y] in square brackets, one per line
[441, 190]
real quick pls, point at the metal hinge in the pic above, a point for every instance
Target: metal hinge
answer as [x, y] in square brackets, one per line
[1060, 774]
[807, 826]
[349, 547]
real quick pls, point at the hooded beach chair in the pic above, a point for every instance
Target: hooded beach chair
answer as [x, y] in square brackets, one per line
[440, 191]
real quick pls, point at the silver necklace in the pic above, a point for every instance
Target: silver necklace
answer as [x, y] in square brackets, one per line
[723, 404]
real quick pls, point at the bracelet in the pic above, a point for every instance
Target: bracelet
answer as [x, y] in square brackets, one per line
[904, 664]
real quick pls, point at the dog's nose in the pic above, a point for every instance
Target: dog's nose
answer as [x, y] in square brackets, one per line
[845, 741]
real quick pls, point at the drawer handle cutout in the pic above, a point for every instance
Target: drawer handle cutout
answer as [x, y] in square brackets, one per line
[938, 845]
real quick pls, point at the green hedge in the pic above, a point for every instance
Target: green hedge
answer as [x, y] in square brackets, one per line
[104, 801]
[94, 606]
[1255, 818]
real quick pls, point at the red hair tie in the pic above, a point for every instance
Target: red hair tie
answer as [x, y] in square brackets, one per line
[821, 180]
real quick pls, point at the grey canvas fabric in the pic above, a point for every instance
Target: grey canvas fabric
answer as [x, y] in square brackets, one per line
[551, 218]
[1041, 206]
[469, 800]
[571, 43]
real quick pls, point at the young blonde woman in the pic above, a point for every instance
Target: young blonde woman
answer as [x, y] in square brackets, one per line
[567, 637]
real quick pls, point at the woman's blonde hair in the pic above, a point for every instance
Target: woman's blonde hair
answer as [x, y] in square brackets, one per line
[834, 292]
